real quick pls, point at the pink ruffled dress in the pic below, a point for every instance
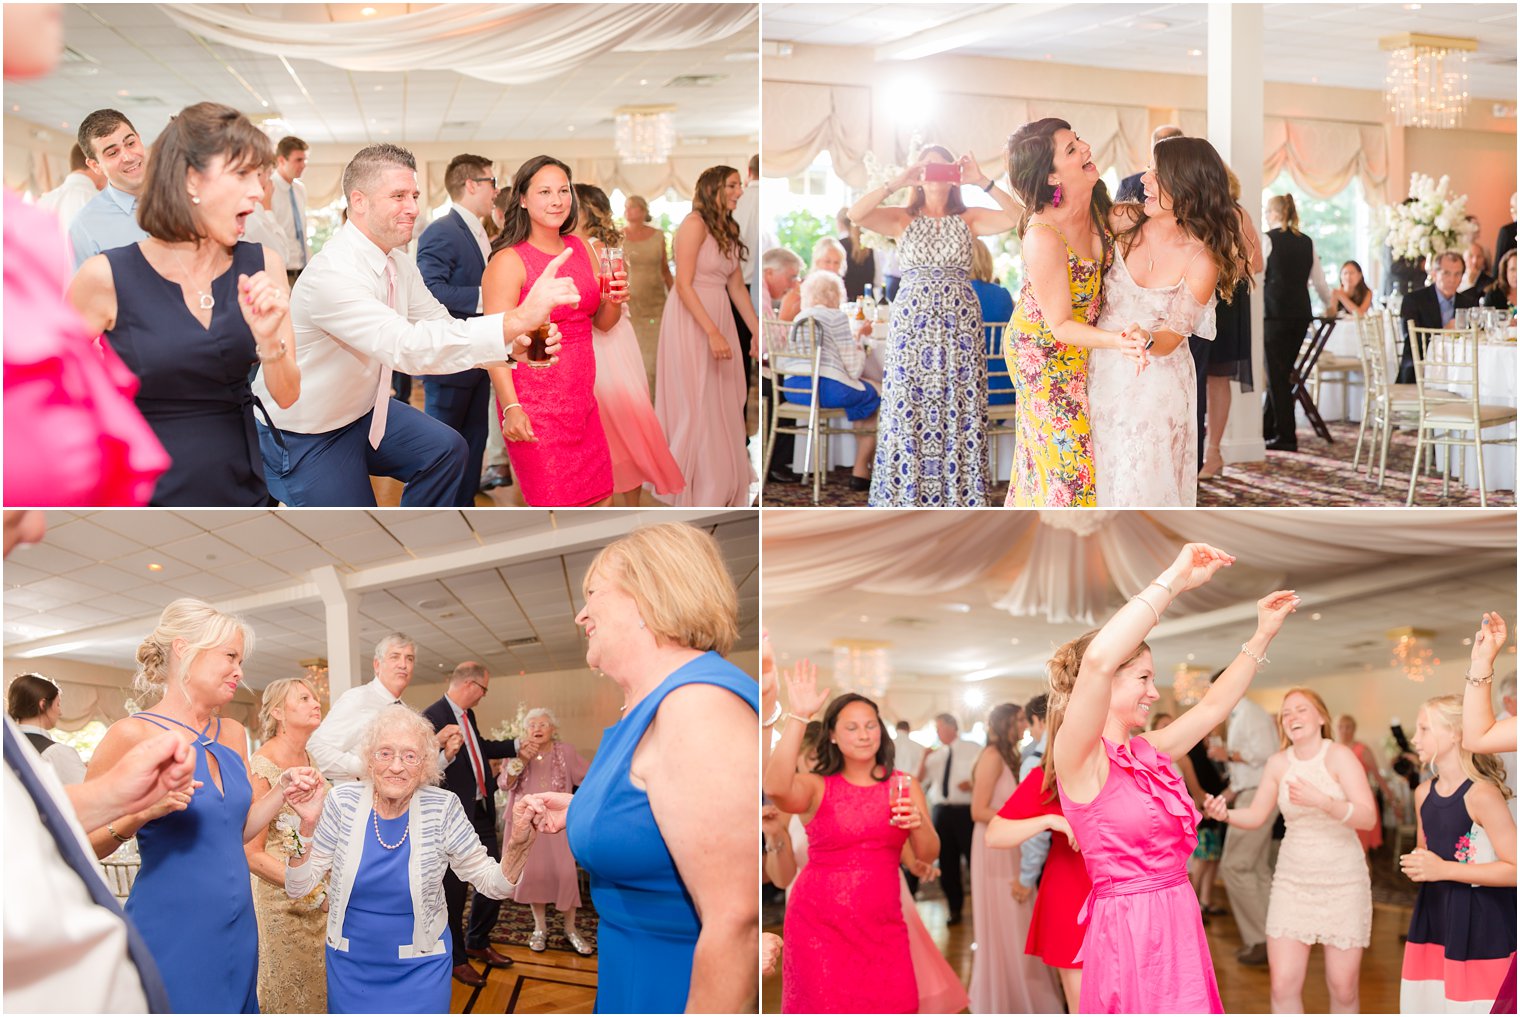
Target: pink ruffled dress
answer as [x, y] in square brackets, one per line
[640, 453]
[1145, 950]
[72, 433]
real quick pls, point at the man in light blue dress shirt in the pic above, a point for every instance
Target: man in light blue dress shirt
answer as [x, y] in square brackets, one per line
[111, 146]
[1034, 851]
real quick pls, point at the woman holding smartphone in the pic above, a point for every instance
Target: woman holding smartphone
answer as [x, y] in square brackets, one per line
[858, 819]
[931, 444]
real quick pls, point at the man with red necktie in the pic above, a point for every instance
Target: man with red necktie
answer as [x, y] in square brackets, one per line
[468, 775]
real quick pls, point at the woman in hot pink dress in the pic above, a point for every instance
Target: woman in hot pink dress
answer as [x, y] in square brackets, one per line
[544, 763]
[846, 942]
[549, 417]
[699, 394]
[1136, 824]
[640, 453]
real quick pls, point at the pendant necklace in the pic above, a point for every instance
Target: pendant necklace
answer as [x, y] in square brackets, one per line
[207, 300]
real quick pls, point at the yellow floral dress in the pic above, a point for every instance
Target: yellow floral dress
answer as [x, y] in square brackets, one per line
[1053, 464]
[292, 933]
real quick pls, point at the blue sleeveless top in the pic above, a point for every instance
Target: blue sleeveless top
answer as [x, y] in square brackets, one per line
[192, 899]
[194, 381]
[648, 925]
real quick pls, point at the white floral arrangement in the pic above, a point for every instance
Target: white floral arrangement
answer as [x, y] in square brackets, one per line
[508, 730]
[1433, 223]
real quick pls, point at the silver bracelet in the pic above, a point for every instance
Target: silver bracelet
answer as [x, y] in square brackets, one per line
[279, 354]
[1260, 661]
[1169, 591]
[1350, 808]
[1478, 681]
[511, 406]
[1149, 605]
[776, 715]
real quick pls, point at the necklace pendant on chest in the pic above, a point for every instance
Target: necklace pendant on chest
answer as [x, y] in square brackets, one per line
[207, 301]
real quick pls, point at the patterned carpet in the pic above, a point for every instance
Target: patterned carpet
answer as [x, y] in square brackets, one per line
[515, 923]
[1318, 474]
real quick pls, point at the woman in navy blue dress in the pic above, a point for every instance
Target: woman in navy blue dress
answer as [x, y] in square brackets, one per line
[665, 823]
[192, 899]
[192, 310]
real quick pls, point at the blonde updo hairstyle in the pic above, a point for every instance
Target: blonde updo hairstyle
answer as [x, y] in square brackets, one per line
[201, 626]
[275, 694]
[1061, 676]
[1482, 766]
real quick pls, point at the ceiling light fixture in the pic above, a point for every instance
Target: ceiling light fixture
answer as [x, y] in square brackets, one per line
[1426, 84]
[1413, 653]
[154, 566]
[643, 135]
[862, 666]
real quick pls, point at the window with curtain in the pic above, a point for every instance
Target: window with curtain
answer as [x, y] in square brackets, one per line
[1340, 225]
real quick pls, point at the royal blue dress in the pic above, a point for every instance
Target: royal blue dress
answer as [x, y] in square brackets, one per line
[192, 900]
[648, 925]
[370, 976]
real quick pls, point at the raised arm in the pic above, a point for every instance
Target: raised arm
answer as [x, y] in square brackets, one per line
[1078, 749]
[985, 222]
[1193, 726]
[701, 786]
[1480, 731]
[794, 792]
[868, 214]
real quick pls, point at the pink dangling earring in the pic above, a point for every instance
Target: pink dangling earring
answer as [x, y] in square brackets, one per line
[1055, 199]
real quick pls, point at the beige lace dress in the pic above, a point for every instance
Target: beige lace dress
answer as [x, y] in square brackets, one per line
[292, 933]
[1321, 891]
[646, 294]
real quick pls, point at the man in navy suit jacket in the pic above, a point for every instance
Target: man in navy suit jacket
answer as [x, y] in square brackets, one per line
[1130, 188]
[1434, 306]
[468, 775]
[451, 255]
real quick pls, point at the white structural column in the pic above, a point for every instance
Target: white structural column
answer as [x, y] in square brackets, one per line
[1236, 127]
[343, 650]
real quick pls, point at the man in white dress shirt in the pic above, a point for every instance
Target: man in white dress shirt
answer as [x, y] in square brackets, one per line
[907, 753]
[78, 189]
[360, 311]
[1245, 865]
[260, 227]
[946, 778]
[289, 205]
[334, 744]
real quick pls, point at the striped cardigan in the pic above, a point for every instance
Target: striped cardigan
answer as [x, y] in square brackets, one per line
[441, 836]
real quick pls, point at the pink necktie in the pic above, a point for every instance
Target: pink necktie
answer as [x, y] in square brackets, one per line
[383, 393]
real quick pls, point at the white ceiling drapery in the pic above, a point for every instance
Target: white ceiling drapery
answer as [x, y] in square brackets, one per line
[510, 44]
[799, 120]
[1042, 570]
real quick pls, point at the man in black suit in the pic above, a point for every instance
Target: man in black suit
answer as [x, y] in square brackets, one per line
[1130, 188]
[469, 777]
[451, 255]
[1434, 306]
[1506, 240]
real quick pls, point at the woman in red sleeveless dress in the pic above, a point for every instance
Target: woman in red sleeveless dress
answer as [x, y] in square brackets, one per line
[550, 419]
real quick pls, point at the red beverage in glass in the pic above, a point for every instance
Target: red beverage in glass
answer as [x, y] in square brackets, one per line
[900, 793]
[604, 277]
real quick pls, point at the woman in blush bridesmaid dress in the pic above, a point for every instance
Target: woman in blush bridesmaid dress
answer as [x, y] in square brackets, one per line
[1145, 950]
[550, 420]
[847, 940]
[640, 454]
[699, 398]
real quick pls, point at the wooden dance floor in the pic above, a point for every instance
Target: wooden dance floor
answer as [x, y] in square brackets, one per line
[555, 981]
[1242, 989]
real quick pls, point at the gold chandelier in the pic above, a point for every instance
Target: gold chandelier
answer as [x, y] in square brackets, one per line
[1190, 683]
[1413, 653]
[862, 666]
[643, 135]
[316, 673]
[1427, 79]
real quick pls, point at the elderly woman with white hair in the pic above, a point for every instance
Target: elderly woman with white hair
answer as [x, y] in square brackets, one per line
[544, 763]
[665, 823]
[384, 842]
[192, 900]
[841, 362]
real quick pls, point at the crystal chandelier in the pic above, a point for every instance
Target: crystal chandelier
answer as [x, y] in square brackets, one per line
[1412, 652]
[316, 674]
[862, 666]
[1427, 79]
[644, 135]
[1082, 522]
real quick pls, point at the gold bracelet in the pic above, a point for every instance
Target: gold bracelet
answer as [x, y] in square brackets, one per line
[1478, 681]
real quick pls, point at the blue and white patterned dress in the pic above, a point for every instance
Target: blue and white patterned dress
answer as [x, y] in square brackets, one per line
[932, 446]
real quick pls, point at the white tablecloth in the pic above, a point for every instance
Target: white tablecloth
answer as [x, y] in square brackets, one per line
[1496, 377]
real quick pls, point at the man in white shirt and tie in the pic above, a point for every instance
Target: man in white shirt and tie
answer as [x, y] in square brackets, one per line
[360, 311]
[469, 778]
[1250, 739]
[946, 778]
[334, 745]
[289, 205]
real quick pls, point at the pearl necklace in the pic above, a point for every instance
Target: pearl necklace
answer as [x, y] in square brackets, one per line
[375, 814]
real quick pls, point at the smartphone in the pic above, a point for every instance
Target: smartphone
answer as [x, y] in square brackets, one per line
[943, 172]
